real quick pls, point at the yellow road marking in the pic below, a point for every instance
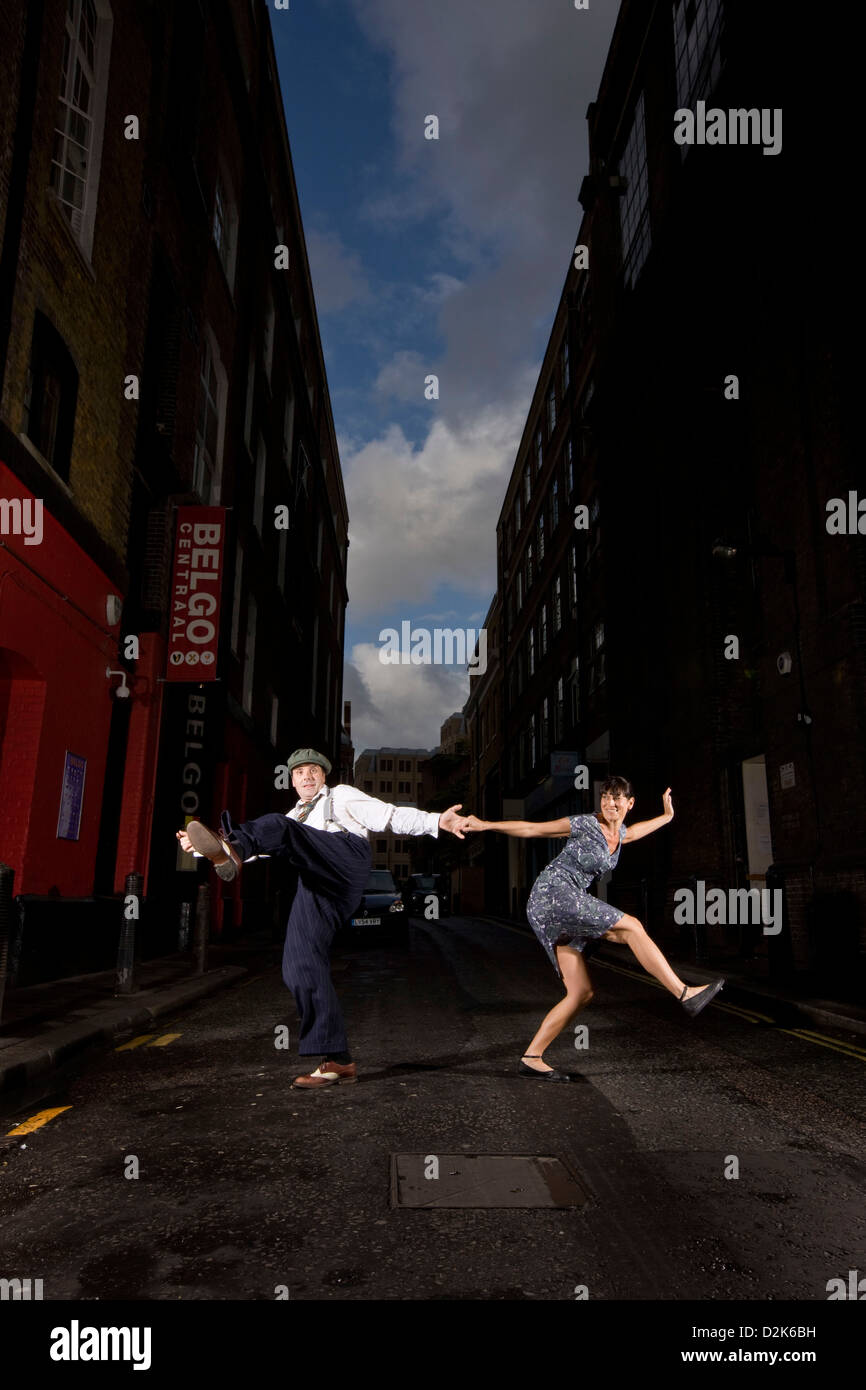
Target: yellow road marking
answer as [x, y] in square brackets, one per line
[825, 1042]
[135, 1042]
[37, 1121]
[164, 1040]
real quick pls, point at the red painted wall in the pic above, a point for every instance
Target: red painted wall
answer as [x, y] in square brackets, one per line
[55, 644]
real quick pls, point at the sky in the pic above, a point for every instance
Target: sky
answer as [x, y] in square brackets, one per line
[442, 257]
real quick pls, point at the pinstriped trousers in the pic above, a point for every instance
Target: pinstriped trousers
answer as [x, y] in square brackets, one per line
[331, 872]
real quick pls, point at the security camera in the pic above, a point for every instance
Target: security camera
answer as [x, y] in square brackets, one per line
[784, 663]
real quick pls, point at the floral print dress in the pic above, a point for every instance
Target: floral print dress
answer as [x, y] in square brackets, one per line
[560, 910]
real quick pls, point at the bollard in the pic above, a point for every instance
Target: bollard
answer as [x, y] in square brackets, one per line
[7, 879]
[132, 887]
[184, 926]
[202, 927]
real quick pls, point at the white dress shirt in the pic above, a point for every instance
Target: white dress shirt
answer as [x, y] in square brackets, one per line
[355, 811]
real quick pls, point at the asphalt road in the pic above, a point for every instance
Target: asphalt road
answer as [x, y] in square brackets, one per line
[245, 1186]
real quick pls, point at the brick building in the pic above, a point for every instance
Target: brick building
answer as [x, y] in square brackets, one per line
[392, 775]
[696, 398]
[159, 349]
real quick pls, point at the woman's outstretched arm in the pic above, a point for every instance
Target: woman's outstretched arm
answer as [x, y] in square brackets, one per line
[523, 829]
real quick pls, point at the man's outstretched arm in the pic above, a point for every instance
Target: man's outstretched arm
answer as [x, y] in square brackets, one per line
[381, 816]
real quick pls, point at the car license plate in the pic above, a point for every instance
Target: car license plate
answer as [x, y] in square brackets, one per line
[366, 921]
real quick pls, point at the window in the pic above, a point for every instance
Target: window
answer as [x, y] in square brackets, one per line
[545, 727]
[275, 718]
[598, 636]
[566, 365]
[386, 787]
[314, 665]
[569, 466]
[518, 518]
[558, 710]
[551, 411]
[634, 204]
[259, 497]
[557, 604]
[530, 642]
[404, 788]
[541, 536]
[225, 226]
[51, 396]
[544, 629]
[368, 787]
[387, 765]
[529, 567]
[268, 333]
[519, 591]
[697, 50]
[249, 656]
[554, 505]
[533, 741]
[251, 396]
[288, 426]
[574, 681]
[527, 485]
[236, 598]
[572, 568]
[207, 425]
[77, 149]
[381, 846]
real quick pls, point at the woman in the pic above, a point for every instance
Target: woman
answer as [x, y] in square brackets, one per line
[566, 918]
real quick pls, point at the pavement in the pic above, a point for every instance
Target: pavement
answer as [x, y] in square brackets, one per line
[44, 1026]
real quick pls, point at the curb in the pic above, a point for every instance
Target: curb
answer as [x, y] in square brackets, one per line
[813, 1011]
[25, 1062]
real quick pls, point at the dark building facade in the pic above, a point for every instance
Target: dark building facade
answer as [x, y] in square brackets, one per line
[700, 624]
[160, 350]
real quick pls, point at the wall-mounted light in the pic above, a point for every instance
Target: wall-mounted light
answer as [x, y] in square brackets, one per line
[122, 691]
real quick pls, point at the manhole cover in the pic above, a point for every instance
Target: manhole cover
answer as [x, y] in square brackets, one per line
[483, 1180]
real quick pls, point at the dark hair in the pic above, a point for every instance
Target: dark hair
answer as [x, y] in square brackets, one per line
[619, 786]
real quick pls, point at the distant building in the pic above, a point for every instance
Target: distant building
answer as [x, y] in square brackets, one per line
[392, 775]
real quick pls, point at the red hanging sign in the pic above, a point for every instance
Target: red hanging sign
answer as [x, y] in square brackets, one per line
[196, 586]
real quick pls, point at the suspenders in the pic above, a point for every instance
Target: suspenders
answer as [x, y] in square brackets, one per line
[328, 812]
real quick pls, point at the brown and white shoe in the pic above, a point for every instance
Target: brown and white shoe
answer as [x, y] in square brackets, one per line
[326, 1074]
[225, 860]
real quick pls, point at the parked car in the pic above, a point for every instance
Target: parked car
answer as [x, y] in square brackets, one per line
[382, 903]
[420, 889]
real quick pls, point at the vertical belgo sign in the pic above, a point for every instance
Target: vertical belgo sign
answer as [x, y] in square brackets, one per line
[196, 586]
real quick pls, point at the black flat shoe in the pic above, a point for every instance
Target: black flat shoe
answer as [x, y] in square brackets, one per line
[524, 1070]
[697, 1002]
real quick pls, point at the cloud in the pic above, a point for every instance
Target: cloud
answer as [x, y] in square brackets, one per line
[510, 83]
[426, 517]
[399, 706]
[338, 276]
[402, 378]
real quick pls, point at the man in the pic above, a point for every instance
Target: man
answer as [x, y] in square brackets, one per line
[325, 840]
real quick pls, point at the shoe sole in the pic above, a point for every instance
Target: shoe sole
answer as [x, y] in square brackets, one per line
[320, 1085]
[207, 843]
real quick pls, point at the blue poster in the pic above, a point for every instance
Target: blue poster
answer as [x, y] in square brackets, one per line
[71, 797]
